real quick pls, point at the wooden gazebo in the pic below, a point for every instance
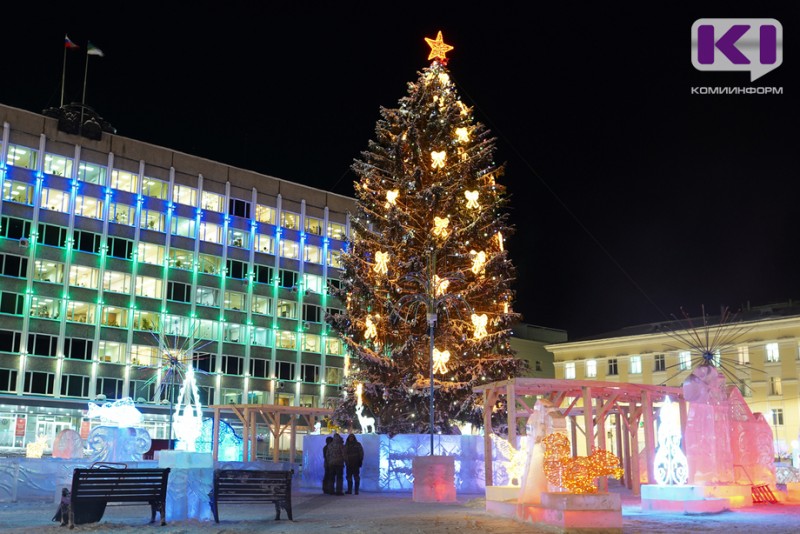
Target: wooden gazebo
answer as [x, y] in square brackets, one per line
[593, 402]
[278, 418]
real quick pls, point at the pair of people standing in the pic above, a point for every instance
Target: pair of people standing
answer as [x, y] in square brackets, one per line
[337, 455]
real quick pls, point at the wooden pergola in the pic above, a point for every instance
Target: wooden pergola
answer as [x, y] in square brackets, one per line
[594, 401]
[278, 418]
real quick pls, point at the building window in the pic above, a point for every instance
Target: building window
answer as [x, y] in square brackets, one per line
[89, 207]
[11, 265]
[335, 258]
[289, 249]
[81, 276]
[80, 312]
[287, 309]
[313, 226]
[260, 305]
[78, 349]
[152, 187]
[569, 370]
[210, 264]
[334, 375]
[207, 296]
[777, 416]
[313, 254]
[110, 387]
[284, 370]
[309, 373]
[238, 238]
[263, 243]
[232, 365]
[87, 241]
[287, 278]
[42, 345]
[183, 194]
[311, 343]
[210, 232]
[19, 192]
[239, 208]
[13, 228]
[21, 156]
[237, 269]
[313, 283]
[259, 336]
[117, 282]
[685, 360]
[150, 253]
[121, 214]
[659, 363]
[57, 165]
[775, 387]
[147, 286]
[263, 274]
[8, 380]
[773, 353]
[538, 366]
[120, 248]
[39, 383]
[183, 226]
[744, 355]
[591, 368]
[259, 368]
[124, 181]
[290, 221]
[336, 231]
[334, 346]
[55, 200]
[265, 214]
[312, 313]
[91, 173]
[234, 300]
[744, 388]
[45, 307]
[11, 303]
[286, 340]
[152, 220]
[213, 201]
[179, 292]
[613, 368]
[10, 341]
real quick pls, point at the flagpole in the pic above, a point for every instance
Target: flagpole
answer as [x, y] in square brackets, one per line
[83, 96]
[63, 75]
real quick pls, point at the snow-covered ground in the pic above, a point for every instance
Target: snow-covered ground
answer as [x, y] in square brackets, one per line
[391, 513]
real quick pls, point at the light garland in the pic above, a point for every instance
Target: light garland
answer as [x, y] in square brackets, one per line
[472, 199]
[499, 237]
[438, 159]
[440, 227]
[381, 262]
[480, 321]
[576, 475]
[439, 48]
[478, 261]
[440, 359]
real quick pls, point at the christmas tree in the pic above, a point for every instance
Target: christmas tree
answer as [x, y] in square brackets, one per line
[427, 254]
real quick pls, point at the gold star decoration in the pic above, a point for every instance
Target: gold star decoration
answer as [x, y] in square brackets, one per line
[438, 48]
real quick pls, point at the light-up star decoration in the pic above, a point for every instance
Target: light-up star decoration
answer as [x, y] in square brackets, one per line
[478, 261]
[371, 331]
[439, 48]
[440, 359]
[440, 227]
[472, 199]
[391, 197]
[438, 159]
[381, 262]
[479, 322]
[671, 466]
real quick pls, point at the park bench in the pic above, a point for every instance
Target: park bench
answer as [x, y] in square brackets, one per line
[252, 486]
[92, 489]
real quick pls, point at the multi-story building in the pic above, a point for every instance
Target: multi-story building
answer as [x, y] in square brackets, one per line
[529, 341]
[761, 357]
[112, 250]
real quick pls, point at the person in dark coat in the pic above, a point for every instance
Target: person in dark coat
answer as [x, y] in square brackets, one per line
[327, 479]
[353, 458]
[335, 459]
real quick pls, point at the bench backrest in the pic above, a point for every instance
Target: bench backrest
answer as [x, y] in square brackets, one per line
[244, 484]
[120, 485]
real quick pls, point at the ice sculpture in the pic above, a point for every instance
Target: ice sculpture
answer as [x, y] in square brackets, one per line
[544, 420]
[670, 463]
[707, 436]
[230, 444]
[188, 418]
[751, 442]
[515, 459]
[68, 445]
[117, 439]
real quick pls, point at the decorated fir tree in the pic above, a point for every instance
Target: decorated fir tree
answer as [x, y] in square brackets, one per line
[427, 247]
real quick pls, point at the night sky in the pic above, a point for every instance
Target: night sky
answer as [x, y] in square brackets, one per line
[630, 196]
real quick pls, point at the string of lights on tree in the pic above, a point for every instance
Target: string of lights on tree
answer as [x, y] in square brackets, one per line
[428, 238]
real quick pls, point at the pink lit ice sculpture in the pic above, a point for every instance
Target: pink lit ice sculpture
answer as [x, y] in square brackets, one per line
[671, 467]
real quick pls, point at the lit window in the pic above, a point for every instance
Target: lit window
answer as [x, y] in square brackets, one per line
[238, 238]
[569, 370]
[19, 192]
[116, 282]
[150, 253]
[264, 243]
[311, 343]
[744, 355]
[265, 214]
[685, 359]
[183, 226]
[591, 368]
[55, 200]
[210, 232]
[57, 165]
[313, 254]
[213, 202]
[290, 221]
[313, 226]
[121, 214]
[313, 283]
[183, 194]
[289, 249]
[147, 286]
[21, 156]
[91, 173]
[636, 365]
[773, 354]
[336, 231]
[334, 346]
[234, 300]
[124, 181]
[89, 207]
[335, 258]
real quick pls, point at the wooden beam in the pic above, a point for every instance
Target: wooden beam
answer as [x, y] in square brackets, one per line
[649, 435]
[292, 440]
[511, 414]
[588, 418]
[215, 439]
[626, 448]
[488, 401]
[572, 404]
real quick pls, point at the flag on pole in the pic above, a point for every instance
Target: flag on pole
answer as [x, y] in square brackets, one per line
[68, 43]
[92, 50]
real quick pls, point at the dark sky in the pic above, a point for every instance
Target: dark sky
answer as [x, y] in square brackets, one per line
[631, 197]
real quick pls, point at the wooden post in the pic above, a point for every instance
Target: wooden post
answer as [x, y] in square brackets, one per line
[215, 438]
[253, 436]
[574, 434]
[649, 435]
[635, 475]
[602, 482]
[511, 413]
[489, 397]
[624, 431]
[293, 439]
[618, 441]
[588, 418]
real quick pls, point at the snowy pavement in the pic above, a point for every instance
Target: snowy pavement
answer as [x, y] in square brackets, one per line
[390, 513]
